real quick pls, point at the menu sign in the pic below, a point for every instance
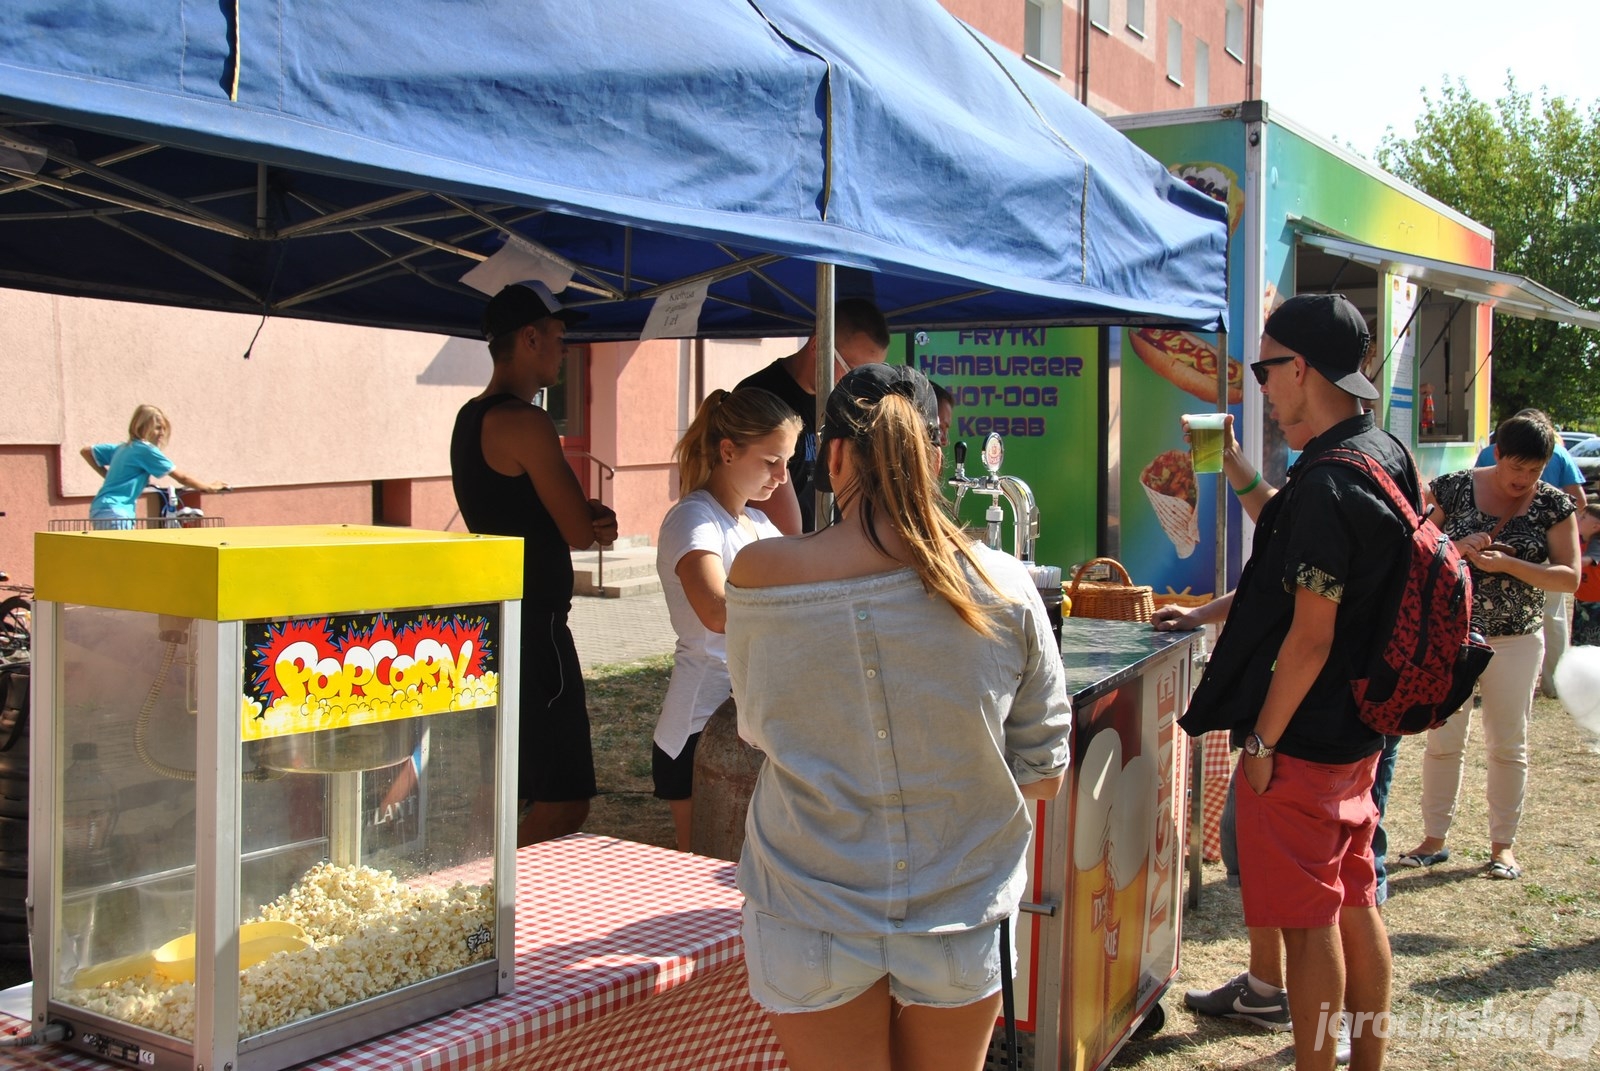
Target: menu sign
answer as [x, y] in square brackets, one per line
[1039, 388]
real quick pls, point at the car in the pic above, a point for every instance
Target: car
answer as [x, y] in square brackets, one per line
[1586, 455]
[1569, 439]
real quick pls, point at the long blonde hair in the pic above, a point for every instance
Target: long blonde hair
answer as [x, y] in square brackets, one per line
[149, 424]
[740, 416]
[897, 476]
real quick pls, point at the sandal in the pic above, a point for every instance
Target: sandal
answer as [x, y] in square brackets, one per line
[1421, 859]
[1504, 871]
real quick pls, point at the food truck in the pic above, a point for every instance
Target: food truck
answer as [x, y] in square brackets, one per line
[1306, 215]
[1092, 415]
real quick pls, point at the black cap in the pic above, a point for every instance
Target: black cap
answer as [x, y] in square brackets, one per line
[866, 385]
[1329, 332]
[521, 304]
[872, 383]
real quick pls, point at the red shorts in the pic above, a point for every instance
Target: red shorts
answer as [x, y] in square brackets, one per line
[1305, 848]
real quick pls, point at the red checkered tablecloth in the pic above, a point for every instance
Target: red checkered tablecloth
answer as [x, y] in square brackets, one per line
[627, 955]
[1216, 767]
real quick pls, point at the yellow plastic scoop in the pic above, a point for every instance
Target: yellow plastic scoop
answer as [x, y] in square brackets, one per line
[174, 960]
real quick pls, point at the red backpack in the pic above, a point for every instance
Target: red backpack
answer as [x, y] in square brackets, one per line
[1425, 668]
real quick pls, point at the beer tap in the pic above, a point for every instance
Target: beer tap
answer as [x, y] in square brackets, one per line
[1024, 511]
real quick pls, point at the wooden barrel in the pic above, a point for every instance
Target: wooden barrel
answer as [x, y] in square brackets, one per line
[725, 770]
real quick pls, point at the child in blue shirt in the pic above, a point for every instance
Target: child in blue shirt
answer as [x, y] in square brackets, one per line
[128, 467]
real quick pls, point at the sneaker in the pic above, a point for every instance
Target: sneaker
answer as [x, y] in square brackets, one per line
[1236, 1000]
[1341, 1044]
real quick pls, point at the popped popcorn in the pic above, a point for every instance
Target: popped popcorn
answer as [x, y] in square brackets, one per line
[370, 933]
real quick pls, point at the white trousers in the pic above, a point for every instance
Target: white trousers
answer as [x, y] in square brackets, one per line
[1507, 689]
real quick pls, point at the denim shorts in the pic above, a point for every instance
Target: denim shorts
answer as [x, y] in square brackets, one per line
[794, 968]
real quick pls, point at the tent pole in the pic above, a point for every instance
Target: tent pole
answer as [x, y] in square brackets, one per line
[823, 340]
[261, 200]
[1221, 585]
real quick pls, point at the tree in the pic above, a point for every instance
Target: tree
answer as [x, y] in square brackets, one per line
[1532, 174]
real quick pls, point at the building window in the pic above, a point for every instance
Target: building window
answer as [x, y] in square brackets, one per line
[1202, 73]
[1174, 51]
[1100, 14]
[1136, 16]
[1234, 35]
[564, 400]
[1041, 32]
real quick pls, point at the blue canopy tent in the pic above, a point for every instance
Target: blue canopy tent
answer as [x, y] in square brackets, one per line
[349, 162]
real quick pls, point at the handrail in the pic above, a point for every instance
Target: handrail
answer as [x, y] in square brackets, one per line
[605, 472]
[610, 473]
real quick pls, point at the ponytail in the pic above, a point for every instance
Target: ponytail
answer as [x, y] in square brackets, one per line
[741, 416]
[898, 476]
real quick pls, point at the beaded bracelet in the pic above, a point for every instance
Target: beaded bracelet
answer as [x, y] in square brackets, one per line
[1251, 486]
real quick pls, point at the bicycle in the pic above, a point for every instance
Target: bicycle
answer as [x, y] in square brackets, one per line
[170, 513]
[16, 621]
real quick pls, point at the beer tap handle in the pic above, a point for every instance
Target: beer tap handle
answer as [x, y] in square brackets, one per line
[959, 481]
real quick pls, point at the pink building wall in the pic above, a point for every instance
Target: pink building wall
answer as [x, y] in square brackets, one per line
[322, 424]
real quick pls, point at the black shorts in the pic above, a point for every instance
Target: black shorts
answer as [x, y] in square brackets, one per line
[555, 761]
[674, 777]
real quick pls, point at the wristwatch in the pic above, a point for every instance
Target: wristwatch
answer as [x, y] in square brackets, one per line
[1256, 747]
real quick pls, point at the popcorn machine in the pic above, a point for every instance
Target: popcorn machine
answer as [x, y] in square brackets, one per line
[272, 793]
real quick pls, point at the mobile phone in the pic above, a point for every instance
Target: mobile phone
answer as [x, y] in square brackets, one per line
[1503, 548]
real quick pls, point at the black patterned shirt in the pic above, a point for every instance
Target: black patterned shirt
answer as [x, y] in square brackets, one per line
[1503, 605]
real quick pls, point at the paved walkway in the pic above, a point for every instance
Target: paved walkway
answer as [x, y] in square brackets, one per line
[620, 630]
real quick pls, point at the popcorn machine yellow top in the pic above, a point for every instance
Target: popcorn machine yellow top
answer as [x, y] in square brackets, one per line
[271, 805]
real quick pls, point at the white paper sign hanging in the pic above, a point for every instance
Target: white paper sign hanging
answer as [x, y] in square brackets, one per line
[517, 262]
[19, 154]
[676, 313]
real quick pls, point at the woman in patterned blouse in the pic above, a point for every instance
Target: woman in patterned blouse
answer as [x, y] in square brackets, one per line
[1521, 540]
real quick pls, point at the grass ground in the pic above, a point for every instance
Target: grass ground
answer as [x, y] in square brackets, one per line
[623, 703]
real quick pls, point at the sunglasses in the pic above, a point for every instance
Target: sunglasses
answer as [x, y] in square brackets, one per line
[1260, 368]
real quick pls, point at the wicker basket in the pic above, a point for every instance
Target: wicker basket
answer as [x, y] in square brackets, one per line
[1126, 601]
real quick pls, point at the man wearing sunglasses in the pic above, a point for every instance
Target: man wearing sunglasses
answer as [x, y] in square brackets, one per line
[1306, 610]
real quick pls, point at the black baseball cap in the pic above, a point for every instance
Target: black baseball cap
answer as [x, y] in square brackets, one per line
[872, 383]
[866, 385]
[521, 304]
[1330, 333]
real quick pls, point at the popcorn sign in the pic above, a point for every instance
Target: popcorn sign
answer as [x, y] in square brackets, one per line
[310, 674]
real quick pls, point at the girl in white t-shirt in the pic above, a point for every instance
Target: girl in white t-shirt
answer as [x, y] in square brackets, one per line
[736, 451]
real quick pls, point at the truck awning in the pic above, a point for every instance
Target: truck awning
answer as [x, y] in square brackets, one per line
[1515, 295]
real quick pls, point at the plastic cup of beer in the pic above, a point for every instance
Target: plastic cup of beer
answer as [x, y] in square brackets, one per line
[1205, 440]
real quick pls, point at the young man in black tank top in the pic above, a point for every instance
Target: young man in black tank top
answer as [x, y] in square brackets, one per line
[511, 478]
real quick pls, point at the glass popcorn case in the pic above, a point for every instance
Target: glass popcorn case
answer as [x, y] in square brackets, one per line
[272, 792]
